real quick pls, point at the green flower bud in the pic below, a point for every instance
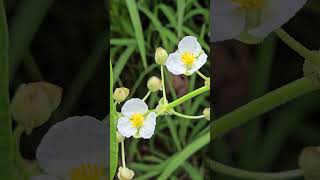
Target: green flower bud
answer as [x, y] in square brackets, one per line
[125, 173]
[207, 82]
[309, 162]
[154, 84]
[120, 138]
[120, 94]
[33, 104]
[161, 56]
[206, 113]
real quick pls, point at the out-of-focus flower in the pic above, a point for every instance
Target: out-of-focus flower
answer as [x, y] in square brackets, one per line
[206, 113]
[161, 56]
[309, 162]
[33, 104]
[154, 84]
[250, 20]
[137, 121]
[74, 149]
[188, 58]
[125, 173]
[120, 94]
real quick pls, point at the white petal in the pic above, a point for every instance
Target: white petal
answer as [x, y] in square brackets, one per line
[189, 44]
[227, 20]
[134, 106]
[125, 128]
[175, 65]
[197, 64]
[44, 177]
[148, 127]
[275, 14]
[71, 142]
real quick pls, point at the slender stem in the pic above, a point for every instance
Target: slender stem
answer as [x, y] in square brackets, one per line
[202, 75]
[123, 155]
[298, 47]
[187, 97]
[6, 155]
[163, 86]
[187, 116]
[261, 105]
[146, 96]
[224, 169]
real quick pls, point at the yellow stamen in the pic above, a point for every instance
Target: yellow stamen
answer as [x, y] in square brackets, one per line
[249, 4]
[137, 120]
[88, 172]
[188, 58]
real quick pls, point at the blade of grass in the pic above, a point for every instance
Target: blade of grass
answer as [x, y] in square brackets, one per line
[122, 61]
[137, 26]
[6, 151]
[180, 16]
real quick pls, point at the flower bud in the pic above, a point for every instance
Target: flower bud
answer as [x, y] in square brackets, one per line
[120, 94]
[120, 138]
[161, 56]
[154, 84]
[309, 162]
[33, 104]
[206, 113]
[125, 173]
[207, 82]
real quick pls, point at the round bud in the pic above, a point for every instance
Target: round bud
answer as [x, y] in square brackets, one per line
[161, 56]
[309, 162]
[154, 84]
[120, 94]
[120, 138]
[125, 173]
[206, 113]
[33, 104]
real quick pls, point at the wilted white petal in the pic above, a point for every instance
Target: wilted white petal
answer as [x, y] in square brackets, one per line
[198, 64]
[72, 142]
[134, 106]
[276, 13]
[125, 128]
[175, 65]
[43, 177]
[148, 127]
[227, 21]
[189, 44]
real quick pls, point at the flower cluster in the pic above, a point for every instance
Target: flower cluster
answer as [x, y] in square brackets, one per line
[135, 119]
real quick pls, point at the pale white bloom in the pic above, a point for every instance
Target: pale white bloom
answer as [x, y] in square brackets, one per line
[250, 18]
[188, 58]
[137, 121]
[74, 149]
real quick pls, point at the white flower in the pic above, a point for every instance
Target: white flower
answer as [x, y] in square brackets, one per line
[137, 121]
[188, 58]
[74, 149]
[255, 18]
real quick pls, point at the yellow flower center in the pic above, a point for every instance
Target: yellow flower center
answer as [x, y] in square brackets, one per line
[249, 4]
[188, 58]
[137, 120]
[88, 172]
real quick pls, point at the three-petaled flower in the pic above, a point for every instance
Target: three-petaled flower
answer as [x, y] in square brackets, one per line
[250, 19]
[137, 120]
[188, 58]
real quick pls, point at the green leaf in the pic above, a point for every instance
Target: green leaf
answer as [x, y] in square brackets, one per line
[113, 136]
[136, 23]
[122, 62]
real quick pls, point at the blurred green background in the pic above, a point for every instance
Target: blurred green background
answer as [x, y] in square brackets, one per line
[64, 43]
[241, 72]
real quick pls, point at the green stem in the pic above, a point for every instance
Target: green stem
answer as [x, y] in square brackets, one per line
[224, 169]
[187, 97]
[146, 96]
[19, 161]
[261, 105]
[202, 75]
[298, 47]
[187, 116]
[123, 154]
[6, 155]
[163, 86]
